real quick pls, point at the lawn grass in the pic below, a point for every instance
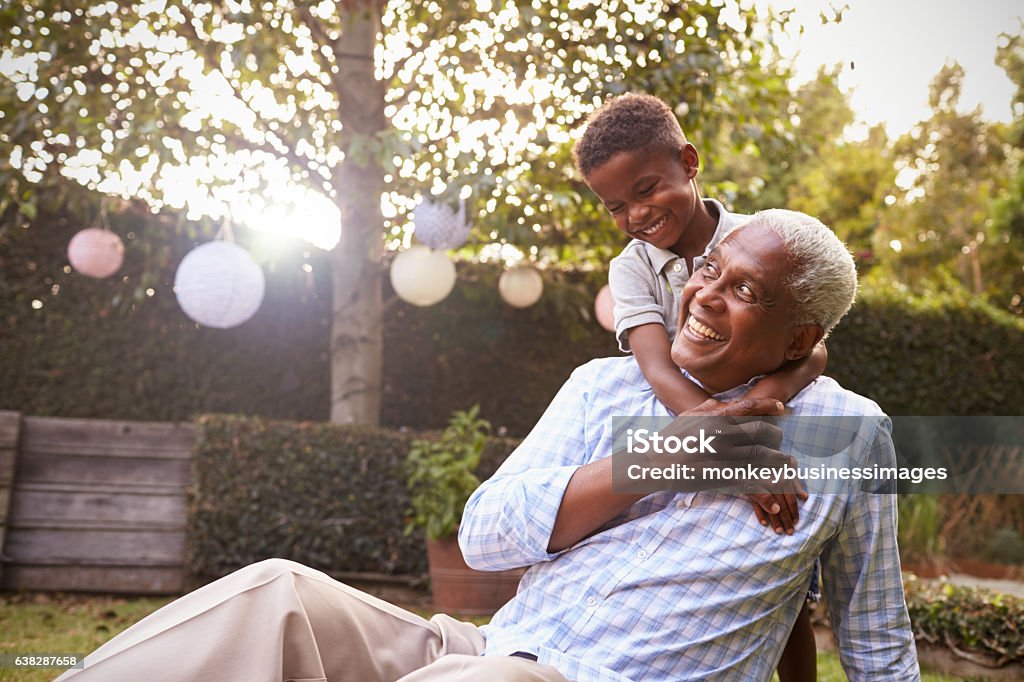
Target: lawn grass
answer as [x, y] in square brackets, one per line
[77, 624]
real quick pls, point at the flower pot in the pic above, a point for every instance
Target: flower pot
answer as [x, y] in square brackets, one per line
[457, 588]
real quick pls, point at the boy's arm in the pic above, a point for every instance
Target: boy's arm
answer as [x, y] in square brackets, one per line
[652, 350]
[784, 383]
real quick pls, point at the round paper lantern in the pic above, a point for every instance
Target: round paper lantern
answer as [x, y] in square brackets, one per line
[218, 285]
[440, 227]
[521, 286]
[604, 308]
[422, 276]
[95, 252]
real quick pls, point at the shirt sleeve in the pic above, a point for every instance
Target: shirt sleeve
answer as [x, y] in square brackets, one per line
[508, 520]
[633, 288]
[863, 585]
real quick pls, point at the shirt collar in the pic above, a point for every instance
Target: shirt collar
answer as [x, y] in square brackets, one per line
[733, 393]
[661, 258]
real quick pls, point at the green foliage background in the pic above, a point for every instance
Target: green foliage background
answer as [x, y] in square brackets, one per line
[104, 349]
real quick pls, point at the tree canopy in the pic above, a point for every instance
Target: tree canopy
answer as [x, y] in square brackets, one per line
[373, 105]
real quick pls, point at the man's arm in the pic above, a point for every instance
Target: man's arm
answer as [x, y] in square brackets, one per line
[508, 520]
[863, 585]
[556, 488]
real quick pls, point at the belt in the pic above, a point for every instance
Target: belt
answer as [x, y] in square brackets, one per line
[523, 654]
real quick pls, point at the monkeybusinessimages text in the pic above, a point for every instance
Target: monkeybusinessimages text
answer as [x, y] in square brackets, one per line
[650, 442]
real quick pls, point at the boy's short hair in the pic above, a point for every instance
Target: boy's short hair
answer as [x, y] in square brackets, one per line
[627, 123]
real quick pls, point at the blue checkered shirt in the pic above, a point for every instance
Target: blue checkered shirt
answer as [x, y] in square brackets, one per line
[684, 586]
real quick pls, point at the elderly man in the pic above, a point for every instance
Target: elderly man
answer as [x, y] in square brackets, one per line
[666, 586]
[682, 586]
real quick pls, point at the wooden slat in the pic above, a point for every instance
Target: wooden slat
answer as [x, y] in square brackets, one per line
[10, 425]
[35, 467]
[8, 457]
[106, 437]
[10, 433]
[87, 506]
[107, 487]
[95, 546]
[107, 579]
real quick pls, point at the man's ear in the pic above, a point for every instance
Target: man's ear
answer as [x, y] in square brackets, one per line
[804, 338]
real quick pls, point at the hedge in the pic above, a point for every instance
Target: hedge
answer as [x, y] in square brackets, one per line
[327, 495]
[106, 349]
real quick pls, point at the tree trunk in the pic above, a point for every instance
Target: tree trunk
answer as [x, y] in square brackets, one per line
[356, 261]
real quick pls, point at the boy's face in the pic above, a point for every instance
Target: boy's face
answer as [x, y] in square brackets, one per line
[651, 196]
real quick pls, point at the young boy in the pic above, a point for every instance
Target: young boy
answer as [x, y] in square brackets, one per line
[634, 156]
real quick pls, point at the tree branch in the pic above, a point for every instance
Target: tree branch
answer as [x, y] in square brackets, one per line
[288, 151]
[321, 37]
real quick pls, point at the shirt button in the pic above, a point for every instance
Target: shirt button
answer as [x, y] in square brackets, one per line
[591, 601]
[642, 554]
[680, 504]
[677, 267]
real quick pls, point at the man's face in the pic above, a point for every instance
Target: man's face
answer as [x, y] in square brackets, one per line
[735, 315]
[652, 197]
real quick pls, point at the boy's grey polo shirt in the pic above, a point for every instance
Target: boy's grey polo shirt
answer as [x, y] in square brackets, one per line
[646, 281]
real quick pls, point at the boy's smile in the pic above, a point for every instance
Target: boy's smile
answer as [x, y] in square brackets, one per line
[653, 198]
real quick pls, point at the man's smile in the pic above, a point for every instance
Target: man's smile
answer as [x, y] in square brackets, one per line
[701, 331]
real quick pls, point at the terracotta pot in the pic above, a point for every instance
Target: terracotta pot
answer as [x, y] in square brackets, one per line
[457, 588]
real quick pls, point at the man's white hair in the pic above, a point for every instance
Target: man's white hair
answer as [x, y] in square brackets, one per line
[823, 277]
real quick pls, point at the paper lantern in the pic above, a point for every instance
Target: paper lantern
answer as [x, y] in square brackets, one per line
[521, 286]
[95, 252]
[422, 276]
[604, 308]
[440, 227]
[218, 285]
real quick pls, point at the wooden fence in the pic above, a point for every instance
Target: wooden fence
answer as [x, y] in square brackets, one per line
[93, 505]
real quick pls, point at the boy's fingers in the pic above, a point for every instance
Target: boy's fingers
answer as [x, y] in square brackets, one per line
[794, 512]
[787, 523]
[765, 501]
[759, 513]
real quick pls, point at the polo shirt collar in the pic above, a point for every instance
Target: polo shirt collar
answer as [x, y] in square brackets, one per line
[660, 258]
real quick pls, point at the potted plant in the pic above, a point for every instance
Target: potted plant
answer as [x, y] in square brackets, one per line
[441, 477]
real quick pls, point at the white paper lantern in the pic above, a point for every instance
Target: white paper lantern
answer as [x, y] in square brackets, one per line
[440, 227]
[95, 252]
[422, 276]
[604, 308]
[218, 285]
[521, 286]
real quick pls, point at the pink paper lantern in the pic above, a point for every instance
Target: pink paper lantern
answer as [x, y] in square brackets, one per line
[604, 308]
[95, 252]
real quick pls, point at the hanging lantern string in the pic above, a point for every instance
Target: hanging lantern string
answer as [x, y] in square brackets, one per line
[225, 232]
[103, 221]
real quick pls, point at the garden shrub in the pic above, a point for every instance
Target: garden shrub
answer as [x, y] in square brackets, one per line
[985, 625]
[327, 495]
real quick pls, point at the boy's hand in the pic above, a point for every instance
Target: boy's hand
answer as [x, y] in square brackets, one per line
[786, 516]
[785, 520]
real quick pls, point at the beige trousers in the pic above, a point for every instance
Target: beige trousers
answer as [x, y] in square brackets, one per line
[278, 620]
